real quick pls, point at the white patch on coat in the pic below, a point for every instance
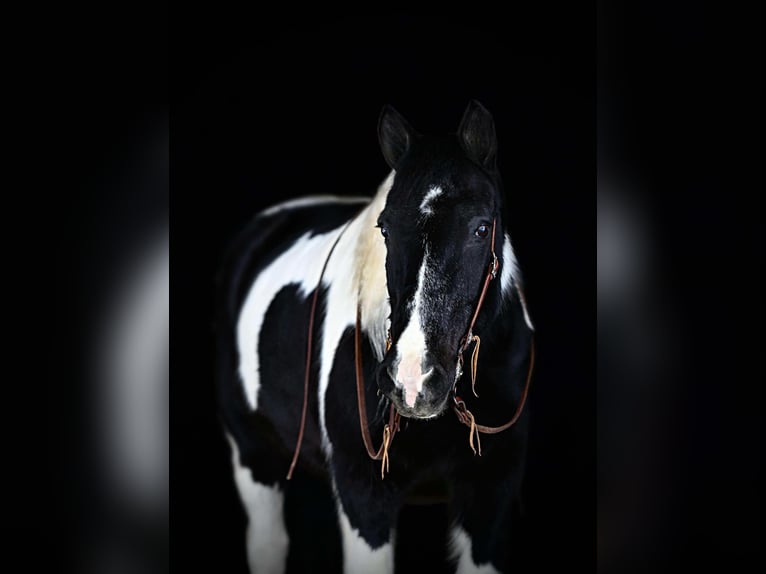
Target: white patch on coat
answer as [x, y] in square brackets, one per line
[510, 272]
[460, 550]
[340, 315]
[524, 308]
[411, 346]
[301, 265]
[267, 540]
[370, 268]
[425, 205]
[358, 556]
[346, 282]
[311, 201]
[346, 288]
[510, 278]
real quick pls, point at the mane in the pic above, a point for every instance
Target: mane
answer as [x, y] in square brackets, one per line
[370, 271]
[511, 280]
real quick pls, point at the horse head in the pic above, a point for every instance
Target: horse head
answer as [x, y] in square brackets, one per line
[441, 218]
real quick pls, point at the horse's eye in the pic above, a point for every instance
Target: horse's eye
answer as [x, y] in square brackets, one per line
[482, 231]
[384, 232]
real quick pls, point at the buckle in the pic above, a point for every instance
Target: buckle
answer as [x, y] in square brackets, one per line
[494, 266]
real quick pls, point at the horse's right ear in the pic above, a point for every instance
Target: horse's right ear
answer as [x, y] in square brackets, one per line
[394, 134]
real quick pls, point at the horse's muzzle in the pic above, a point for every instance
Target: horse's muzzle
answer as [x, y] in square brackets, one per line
[430, 402]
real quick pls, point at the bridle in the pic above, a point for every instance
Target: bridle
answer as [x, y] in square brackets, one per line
[458, 405]
[392, 426]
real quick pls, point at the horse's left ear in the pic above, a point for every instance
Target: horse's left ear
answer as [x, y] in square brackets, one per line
[477, 135]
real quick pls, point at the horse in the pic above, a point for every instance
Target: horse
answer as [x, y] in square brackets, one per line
[378, 344]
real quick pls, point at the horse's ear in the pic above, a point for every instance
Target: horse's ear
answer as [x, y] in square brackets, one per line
[477, 135]
[394, 134]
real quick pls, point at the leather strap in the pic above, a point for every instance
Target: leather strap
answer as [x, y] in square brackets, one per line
[461, 411]
[466, 417]
[307, 373]
[494, 266]
[391, 428]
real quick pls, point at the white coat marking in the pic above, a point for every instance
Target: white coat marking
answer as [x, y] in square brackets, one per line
[510, 278]
[267, 540]
[411, 347]
[345, 289]
[311, 201]
[461, 551]
[370, 270]
[425, 205]
[301, 264]
[358, 556]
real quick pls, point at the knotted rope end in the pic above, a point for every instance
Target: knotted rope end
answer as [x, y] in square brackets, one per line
[473, 432]
[475, 363]
[384, 460]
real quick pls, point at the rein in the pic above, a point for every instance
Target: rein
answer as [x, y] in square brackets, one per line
[393, 418]
[390, 429]
[307, 375]
[466, 417]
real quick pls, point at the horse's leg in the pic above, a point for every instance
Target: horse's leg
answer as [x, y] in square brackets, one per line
[367, 511]
[481, 531]
[267, 540]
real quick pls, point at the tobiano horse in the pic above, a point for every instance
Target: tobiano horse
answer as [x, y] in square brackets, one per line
[381, 343]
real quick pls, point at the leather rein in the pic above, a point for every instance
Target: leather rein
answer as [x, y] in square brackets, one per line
[392, 426]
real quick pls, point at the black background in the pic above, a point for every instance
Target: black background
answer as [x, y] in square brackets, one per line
[266, 108]
[284, 108]
[680, 121]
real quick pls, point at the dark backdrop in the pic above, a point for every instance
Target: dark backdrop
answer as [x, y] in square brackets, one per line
[267, 108]
[282, 108]
[680, 135]
[274, 109]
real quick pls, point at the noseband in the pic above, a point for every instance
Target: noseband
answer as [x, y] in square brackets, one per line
[392, 426]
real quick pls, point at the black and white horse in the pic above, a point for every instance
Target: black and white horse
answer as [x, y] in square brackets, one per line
[401, 284]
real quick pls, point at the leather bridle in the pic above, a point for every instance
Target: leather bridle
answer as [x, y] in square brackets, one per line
[458, 405]
[392, 426]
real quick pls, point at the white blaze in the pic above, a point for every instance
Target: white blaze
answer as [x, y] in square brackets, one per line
[411, 347]
[425, 205]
